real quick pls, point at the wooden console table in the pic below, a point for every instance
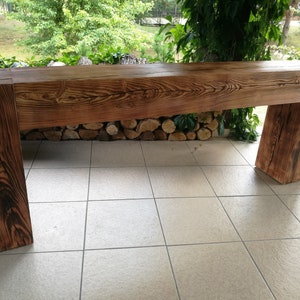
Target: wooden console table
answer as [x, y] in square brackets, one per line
[46, 97]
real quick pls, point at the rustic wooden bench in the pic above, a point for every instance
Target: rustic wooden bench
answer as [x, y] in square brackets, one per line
[46, 97]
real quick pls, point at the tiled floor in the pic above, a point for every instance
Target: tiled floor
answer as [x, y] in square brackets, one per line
[154, 220]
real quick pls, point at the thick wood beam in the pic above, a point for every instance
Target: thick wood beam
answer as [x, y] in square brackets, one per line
[15, 225]
[279, 148]
[58, 96]
[70, 95]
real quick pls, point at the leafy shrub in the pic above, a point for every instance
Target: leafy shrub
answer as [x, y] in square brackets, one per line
[186, 122]
[243, 124]
[63, 26]
[230, 30]
[106, 54]
[284, 52]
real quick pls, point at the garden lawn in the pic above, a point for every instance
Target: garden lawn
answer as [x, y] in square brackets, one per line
[11, 33]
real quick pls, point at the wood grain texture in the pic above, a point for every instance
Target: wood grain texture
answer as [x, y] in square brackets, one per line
[58, 96]
[279, 149]
[65, 95]
[15, 225]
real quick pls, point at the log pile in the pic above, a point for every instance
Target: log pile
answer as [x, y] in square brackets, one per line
[162, 128]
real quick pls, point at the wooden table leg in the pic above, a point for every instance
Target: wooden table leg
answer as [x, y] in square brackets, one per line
[15, 225]
[278, 154]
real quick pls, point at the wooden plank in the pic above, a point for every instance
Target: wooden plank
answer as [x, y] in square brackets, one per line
[45, 97]
[278, 154]
[65, 95]
[15, 225]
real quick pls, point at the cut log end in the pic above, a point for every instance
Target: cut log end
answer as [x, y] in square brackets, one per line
[204, 134]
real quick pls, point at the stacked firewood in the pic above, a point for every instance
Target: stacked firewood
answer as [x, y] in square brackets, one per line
[162, 128]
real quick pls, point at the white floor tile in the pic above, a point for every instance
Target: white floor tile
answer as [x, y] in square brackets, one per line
[217, 271]
[53, 185]
[67, 154]
[293, 203]
[236, 181]
[185, 178]
[179, 182]
[29, 150]
[216, 152]
[286, 189]
[247, 150]
[261, 217]
[280, 189]
[165, 153]
[279, 263]
[26, 172]
[40, 276]
[127, 274]
[125, 223]
[56, 227]
[195, 220]
[119, 183]
[117, 154]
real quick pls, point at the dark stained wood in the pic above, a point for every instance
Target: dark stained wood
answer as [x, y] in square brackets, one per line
[279, 149]
[15, 225]
[70, 95]
[58, 96]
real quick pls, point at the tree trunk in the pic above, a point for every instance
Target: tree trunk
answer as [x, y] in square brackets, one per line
[288, 16]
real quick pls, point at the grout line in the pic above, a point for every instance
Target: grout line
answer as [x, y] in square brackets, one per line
[257, 171]
[85, 224]
[126, 248]
[231, 242]
[33, 159]
[261, 274]
[4, 253]
[56, 202]
[234, 146]
[288, 208]
[253, 261]
[165, 245]
[7, 253]
[246, 248]
[162, 230]
[275, 239]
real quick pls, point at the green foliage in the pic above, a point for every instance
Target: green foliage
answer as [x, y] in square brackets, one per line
[106, 54]
[164, 51]
[284, 52]
[186, 122]
[7, 62]
[173, 34]
[221, 124]
[243, 124]
[65, 26]
[231, 30]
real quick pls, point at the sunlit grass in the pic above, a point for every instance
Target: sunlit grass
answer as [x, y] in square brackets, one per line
[293, 38]
[11, 33]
